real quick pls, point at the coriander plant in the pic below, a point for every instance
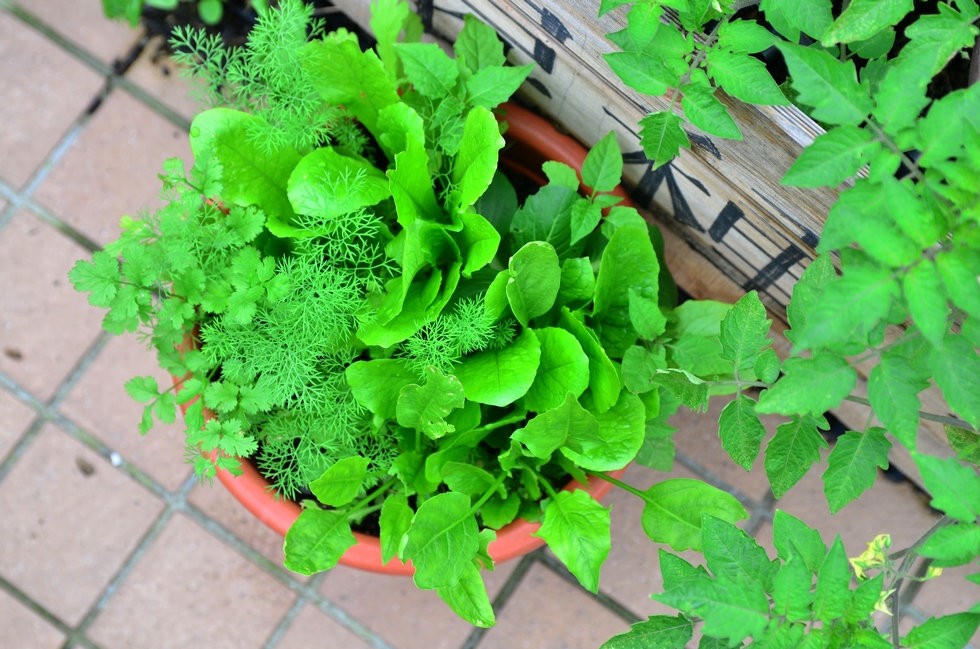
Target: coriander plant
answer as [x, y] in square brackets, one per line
[904, 235]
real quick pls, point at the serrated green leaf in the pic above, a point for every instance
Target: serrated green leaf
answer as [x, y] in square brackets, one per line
[689, 389]
[926, 297]
[424, 407]
[861, 602]
[744, 36]
[947, 632]
[791, 536]
[576, 528]
[960, 280]
[832, 158]
[316, 541]
[730, 552]
[955, 488]
[478, 45]
[428, 68]
[585, 217]
[807, 292]
[646, 316]
[956, 368]
[730, 610]
[656, 632]
[662, 137]
[396, 518]
[852, 465]
[741, 431]
[850, 307]
[812, 17]
[559, 173]
[743, 331]
[603, 166]
[791, 453]
[830, 87]
[791, 590]
[812, 385]
[745, 78]
[954, 545]
[142, 388]
[341, 483]
[705, 111]
[875, 46]
[892, 388]
[674, 508]
[833, 580]
[863, 19]
[492, 86]
[442, 540]
[965, 443]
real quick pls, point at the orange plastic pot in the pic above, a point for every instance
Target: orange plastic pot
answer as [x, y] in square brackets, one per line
[531, 141]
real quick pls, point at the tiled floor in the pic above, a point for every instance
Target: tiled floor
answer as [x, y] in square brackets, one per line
[106, 540]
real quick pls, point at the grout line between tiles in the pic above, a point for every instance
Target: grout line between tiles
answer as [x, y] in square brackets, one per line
[71, 636]
[290, 617]
[81, 366]
[602, 598]
[500, 601]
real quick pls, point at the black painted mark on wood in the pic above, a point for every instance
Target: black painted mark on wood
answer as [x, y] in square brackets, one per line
[554, 26]
[540, 87]
[694, 181]
[729, 215]
[425, 10]
[776, 268]
[544, 56]
[705, 143]
[810, 238]
[650, 182]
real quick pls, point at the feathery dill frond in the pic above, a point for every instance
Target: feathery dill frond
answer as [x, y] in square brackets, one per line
[442, 342]
[351, 242]
[267, 78]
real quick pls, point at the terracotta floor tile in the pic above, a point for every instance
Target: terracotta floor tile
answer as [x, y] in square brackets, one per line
[698, 439]
[111, 169]
[99, 403]
[45, 326]
[191, 590]
[392, 607]
[215, 501]
[546, 612]
[15, 417]
[22, 627]
[632, 570]
[82, 22]
[314, 628]
[70, 520]
[43, 89]
[156, 73]
[893, 508]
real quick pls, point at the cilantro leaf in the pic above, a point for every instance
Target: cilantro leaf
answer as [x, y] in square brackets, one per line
[100, 277]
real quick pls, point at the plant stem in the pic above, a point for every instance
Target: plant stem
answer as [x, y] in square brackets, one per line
[619, 483]
[947, 421]
[486, 496]
[910, 556]
[371, 496]
[887, 141]
[512, 419]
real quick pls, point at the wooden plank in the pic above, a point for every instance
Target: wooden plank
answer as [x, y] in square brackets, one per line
[730, 227]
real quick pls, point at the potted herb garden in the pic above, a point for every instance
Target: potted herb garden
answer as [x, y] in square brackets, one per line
[370, 310]
[352, 299]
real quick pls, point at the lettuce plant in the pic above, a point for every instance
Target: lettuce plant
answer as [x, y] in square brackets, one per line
[904, 237]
